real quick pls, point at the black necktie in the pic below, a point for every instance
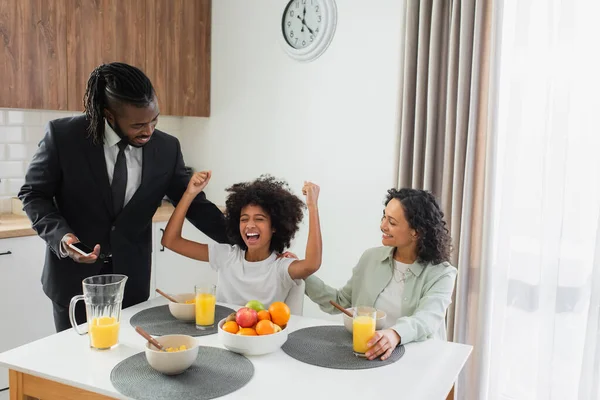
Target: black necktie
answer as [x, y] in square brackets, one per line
[119, 181]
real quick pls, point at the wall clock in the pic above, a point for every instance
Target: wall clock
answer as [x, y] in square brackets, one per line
[307, 28]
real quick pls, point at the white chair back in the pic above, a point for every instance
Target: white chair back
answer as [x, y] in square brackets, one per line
[295, 299]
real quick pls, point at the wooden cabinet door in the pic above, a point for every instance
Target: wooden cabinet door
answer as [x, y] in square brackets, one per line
[178, 55]
[33, 56]
[102, 31]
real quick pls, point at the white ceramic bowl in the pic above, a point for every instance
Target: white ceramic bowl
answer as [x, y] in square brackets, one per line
[252, 345]
[176, 362]
[182, 311]
[379, 322]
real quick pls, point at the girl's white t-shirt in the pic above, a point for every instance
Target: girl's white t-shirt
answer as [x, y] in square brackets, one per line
[240, 281]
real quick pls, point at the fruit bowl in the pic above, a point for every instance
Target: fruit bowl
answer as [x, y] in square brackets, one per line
[251, 345]
[379, 321]
[172, 363]
[182, 311]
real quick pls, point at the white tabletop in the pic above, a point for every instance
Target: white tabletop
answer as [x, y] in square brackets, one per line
[426, 371]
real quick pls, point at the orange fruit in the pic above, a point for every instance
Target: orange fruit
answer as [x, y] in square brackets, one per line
[277, 328]
[280, 313]
[264, 314]
[265, 327]
[231, 327]
[246, 332]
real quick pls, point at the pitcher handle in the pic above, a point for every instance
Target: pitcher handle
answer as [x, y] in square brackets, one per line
[74, 301]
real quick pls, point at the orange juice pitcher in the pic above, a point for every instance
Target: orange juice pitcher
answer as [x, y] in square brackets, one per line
[103, 297]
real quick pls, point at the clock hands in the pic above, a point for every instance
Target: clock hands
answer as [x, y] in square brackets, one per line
[303, 18]
[310, 30]
[304, 24]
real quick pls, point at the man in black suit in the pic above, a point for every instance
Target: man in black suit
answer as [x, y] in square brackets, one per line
[99, 178]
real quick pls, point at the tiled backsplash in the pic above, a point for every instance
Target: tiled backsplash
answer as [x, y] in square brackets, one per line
[20, 133]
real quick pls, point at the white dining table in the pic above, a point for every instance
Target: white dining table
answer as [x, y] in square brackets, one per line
[63, 366]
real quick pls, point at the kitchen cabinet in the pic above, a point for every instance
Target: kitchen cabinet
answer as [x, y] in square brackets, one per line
[102, 32]
[174, 273]
[51, 47]
[178, 55]
[33, 55]
[25, 311]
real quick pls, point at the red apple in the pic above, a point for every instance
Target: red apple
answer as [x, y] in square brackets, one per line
[246, 317]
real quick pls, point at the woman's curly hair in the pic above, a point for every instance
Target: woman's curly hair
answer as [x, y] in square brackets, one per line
[275, 197]
[424, 215]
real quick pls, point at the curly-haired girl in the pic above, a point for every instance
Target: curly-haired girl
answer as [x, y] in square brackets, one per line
[262, 218]
[409, 277]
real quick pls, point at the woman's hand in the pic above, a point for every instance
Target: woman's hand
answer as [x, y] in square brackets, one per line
[383, 342]
[287, 254]
[198, 182]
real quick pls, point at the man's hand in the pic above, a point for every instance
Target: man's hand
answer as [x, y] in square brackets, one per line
[70, 238]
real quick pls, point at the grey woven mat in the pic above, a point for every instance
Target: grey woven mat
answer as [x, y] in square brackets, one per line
[158, 321]
[331, 347]
[215, 373]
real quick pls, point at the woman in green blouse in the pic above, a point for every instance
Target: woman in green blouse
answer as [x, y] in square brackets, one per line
[409, 277]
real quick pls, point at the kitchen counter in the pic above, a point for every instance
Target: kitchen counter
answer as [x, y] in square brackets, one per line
[13, 225]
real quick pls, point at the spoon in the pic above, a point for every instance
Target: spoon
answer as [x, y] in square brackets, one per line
[166, 296]
[342, 309]
[149, 338]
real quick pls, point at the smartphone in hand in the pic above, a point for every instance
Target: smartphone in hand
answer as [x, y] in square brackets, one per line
[81, 249]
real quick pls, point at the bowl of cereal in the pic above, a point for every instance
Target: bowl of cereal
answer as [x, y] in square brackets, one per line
[178, 354]
[185, 309]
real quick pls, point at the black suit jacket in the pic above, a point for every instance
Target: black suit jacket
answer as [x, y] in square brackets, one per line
[67, 190]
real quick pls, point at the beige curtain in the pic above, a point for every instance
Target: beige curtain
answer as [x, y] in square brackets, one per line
[443, 143]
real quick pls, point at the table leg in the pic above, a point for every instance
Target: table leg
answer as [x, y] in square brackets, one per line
[15, 385]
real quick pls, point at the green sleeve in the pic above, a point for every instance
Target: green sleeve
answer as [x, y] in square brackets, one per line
[431, 311]
[320, 293]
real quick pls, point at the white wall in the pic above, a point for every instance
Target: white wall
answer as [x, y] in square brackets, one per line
[333, 121]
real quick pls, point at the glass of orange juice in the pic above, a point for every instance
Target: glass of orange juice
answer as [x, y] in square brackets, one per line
[206, 300]
[363, 329]
[103, 296]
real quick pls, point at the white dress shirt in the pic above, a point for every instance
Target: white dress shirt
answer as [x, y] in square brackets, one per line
[133, 156]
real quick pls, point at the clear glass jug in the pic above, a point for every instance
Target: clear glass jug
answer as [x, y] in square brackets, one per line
[103, 296]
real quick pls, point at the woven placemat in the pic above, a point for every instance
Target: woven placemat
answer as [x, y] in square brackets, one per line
[215, 373]
[331, 347]
[158, 321]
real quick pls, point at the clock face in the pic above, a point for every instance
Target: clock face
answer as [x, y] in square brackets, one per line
[302, 22]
